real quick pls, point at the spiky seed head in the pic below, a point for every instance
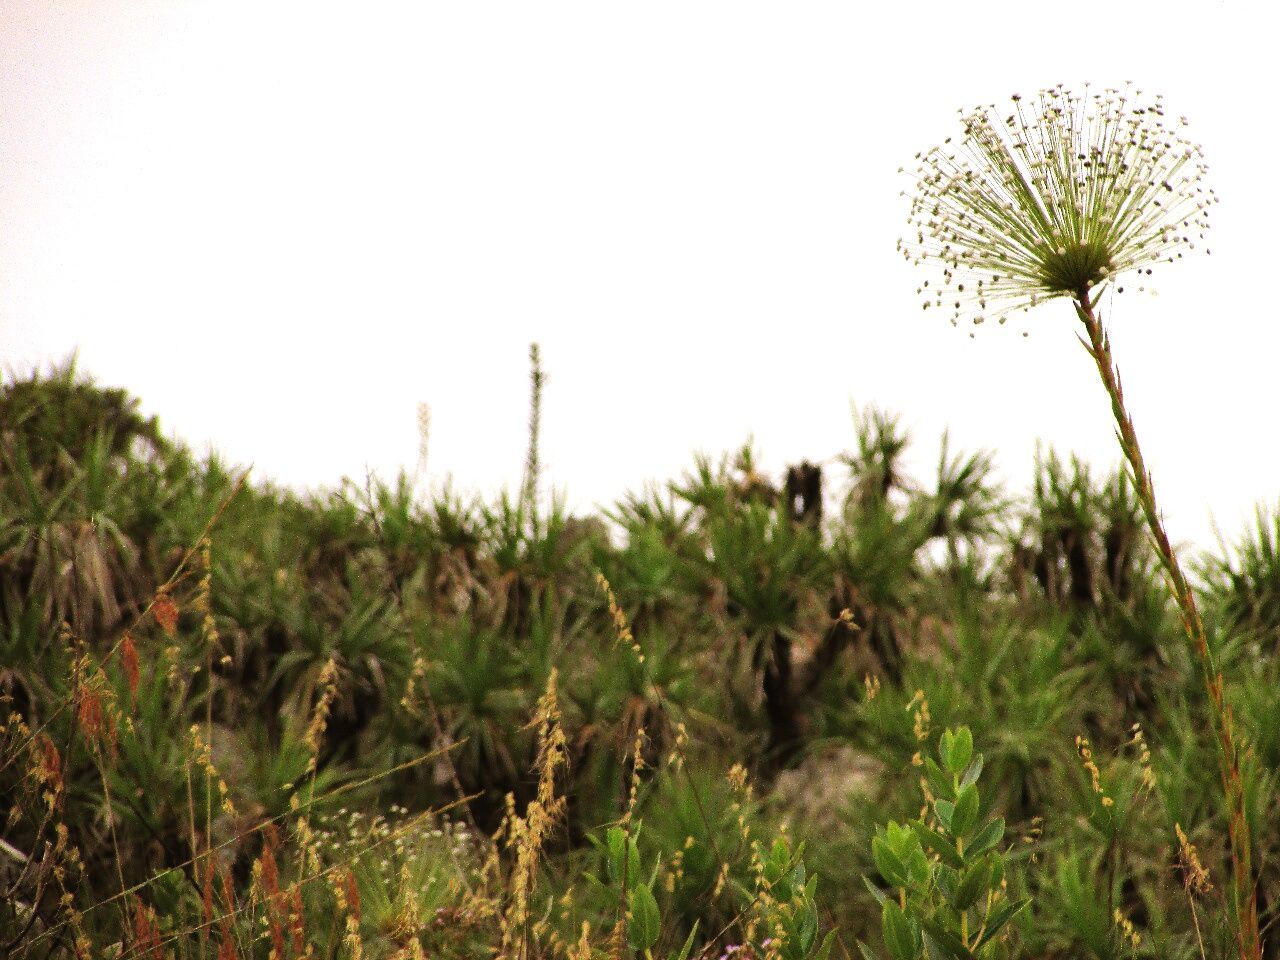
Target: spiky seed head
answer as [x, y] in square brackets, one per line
[1054, 197]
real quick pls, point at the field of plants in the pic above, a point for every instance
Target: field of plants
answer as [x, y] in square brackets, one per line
[709, 722]
[843, 712]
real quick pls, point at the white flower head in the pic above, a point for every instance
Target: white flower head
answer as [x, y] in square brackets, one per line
[1053, 198]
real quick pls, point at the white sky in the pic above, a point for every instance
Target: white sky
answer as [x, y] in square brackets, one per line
[284, 224]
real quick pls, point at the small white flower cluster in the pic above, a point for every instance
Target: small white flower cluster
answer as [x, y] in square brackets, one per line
[1052, 198]
[397, 840]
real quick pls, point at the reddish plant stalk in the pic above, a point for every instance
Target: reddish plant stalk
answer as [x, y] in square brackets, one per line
[1098, 344]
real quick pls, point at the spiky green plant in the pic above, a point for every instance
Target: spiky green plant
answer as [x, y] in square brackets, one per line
[1061, 197]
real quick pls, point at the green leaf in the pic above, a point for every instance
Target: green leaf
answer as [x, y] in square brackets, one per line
[939, 844]
[900, 838]
[987, 837]
[616, 846]
[966, 811]
[688, 944]
[875, 891]
[918, 865]
[797, 878]
[824, 948]
[950, 944]
[899, 937]
[946, 744]
[891, 868]
[644, 922]
[997, 871]
[803, 928]
[940, 784]
[776, 863]
[975, 882]
[863, 949]
[932, 950]
[973, 771]
[956, 749]
[624, 857]
[946, 880]
[998, 917]
[944, 810]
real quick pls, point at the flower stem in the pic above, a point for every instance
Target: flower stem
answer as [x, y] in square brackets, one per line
[1098, 345]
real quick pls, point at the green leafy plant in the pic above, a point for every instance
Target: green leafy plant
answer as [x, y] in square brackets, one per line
[945, 870]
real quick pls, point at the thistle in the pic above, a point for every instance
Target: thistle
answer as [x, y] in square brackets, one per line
[1060, 195]
[1060, 198]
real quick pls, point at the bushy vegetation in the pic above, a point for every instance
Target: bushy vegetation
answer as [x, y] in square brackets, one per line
[844, 712]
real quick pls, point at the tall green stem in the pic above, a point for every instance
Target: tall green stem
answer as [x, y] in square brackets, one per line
[1099, 347]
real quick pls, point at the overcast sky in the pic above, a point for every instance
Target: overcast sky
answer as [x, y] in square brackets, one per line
[283, 225]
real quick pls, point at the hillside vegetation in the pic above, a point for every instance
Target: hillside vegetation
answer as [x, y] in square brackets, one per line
[735, 715]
